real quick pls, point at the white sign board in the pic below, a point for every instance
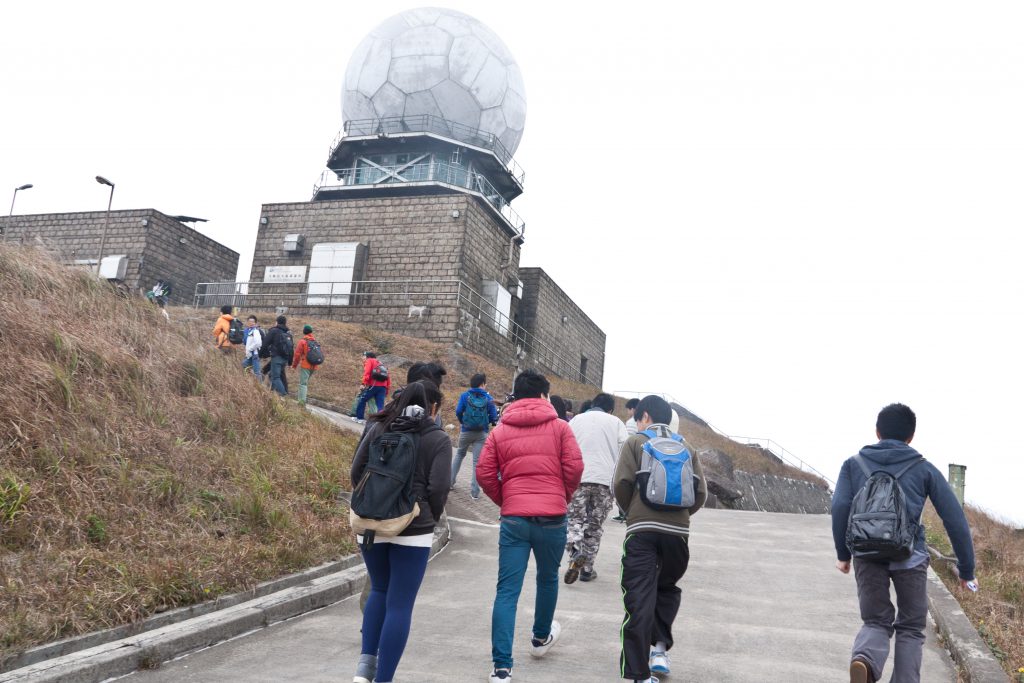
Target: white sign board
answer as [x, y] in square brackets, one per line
[285, 274]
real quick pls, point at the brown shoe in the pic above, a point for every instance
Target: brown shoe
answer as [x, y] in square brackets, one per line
[860, 672]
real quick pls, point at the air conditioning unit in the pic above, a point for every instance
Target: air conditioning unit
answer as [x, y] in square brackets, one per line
[114, 267]
[293, 243]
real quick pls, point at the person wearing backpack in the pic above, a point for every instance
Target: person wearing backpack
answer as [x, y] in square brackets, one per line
[376, 382]
[876, 512]
[227, 328]
[396, 563]
[253, 344]
[656, 551]
[282, 349]
[600, 435]
[476, 413]
[308, 357]
[530, 467]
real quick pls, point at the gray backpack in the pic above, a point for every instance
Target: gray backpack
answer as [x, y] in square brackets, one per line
[880, 528]
[666, 479]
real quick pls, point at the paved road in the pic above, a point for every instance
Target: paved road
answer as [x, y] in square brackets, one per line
[761, 602]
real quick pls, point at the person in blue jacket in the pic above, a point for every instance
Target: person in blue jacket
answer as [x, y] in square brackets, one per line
[895, 429]
[477, 414]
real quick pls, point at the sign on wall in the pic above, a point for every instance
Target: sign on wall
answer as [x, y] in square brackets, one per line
[285, 274]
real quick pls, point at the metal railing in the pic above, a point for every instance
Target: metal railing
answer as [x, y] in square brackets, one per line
[773, 447]
[432, 171]
[428, 123]
[480, 311]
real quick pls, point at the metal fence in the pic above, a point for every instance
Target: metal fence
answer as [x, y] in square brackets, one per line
[427, 123]
[392, 293]
[432, 171]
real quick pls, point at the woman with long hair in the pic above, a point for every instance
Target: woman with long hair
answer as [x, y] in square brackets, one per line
[396, 565]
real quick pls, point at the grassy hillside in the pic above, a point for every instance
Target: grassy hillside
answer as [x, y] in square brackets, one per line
[997, 609]
[139, 470]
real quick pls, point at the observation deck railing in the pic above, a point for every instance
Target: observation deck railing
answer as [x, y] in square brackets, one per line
[432, 171]
[329, 296]
[428, 123]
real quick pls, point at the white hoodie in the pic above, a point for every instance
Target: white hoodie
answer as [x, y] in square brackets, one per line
[253, 341]
[600, 437]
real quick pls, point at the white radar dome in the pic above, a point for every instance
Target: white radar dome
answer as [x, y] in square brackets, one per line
[438, 62]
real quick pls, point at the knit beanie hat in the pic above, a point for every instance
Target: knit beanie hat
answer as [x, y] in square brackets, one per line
[306, 329]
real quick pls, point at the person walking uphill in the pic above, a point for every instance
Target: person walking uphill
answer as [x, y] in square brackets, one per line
[656, 551]
[476, 413]
[530, 467]
[396, 564]
[227, 332]
[600, 436]
[376, 385]
[308, 357]
[863, 490]
[282, 349]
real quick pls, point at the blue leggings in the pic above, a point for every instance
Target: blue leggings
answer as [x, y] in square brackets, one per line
[396, 572]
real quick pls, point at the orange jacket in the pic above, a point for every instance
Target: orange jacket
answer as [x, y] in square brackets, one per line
[299, 359]
[220, 331]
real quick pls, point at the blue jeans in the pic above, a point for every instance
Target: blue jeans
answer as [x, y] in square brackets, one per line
[253, 361]
[277, 368]
[469, 441]
[376, 393]
[396, 572]
[518, 536]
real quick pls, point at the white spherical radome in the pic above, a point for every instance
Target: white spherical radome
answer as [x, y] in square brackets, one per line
[438, 62]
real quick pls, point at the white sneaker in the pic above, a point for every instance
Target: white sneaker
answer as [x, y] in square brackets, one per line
[361, 679]
[660, 663]
[500, 676]
[539, 648]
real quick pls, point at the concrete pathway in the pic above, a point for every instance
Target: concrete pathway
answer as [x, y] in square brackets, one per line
[761, 602]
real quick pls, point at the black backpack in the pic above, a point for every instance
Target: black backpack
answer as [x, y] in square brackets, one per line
[236, 332]
[285, 345]
[379, 373]
[880, 528]
[314, 354]
[383, 503]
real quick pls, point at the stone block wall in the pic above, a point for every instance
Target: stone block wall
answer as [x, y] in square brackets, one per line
[153, 249]
[406, 237]
[184, 256]
[559, 345]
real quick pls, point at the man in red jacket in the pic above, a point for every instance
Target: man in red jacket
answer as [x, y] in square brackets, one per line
[376, 385]
[530, 466]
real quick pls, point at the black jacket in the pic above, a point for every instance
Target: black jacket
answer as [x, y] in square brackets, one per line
[275, 339]
[433, 477]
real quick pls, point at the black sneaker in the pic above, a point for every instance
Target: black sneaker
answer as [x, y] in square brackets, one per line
[588, 576]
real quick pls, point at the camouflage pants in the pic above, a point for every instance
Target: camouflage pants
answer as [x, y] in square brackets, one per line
[589, 508]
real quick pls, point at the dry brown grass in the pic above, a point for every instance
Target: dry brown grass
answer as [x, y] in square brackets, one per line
[139, 469]
[997, 609]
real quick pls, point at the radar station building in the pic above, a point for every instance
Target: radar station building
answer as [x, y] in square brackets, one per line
[411, 227]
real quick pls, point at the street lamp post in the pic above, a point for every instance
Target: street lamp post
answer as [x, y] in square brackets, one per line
[106, 222]
[10, 215]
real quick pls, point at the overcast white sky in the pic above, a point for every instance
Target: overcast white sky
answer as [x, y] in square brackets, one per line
[784, 214]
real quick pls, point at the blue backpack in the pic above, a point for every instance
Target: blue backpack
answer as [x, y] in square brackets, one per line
[475, 417]
[666, 479]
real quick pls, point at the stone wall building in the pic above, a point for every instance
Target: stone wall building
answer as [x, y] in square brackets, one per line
[154, 246]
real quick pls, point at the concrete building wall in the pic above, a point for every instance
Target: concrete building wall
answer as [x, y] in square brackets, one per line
[153, 249]
[560, 345]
